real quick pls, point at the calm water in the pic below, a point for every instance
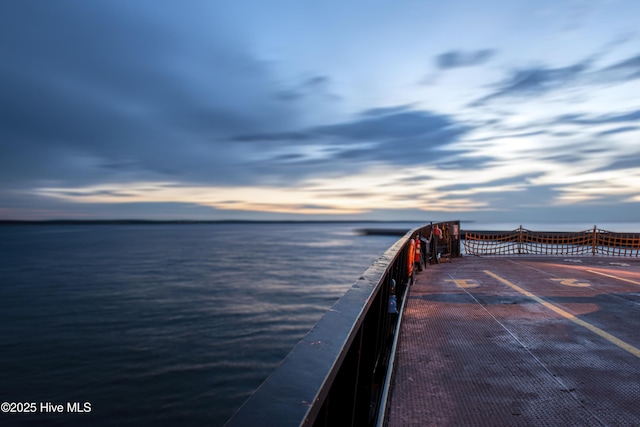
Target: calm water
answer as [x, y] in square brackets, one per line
[162, 324]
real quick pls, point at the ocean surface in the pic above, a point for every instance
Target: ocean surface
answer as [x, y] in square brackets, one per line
[162, 325]
[168, 324]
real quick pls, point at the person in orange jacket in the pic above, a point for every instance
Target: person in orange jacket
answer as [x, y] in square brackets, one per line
[418, 258]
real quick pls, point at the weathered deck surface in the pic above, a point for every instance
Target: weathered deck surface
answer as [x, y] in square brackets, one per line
[520, 342]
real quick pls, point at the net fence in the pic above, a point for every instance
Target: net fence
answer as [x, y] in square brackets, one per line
[526, 242]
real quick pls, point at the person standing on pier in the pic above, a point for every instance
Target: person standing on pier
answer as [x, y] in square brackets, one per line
[436, 234]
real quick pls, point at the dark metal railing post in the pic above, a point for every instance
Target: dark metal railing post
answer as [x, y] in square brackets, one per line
[520, 239]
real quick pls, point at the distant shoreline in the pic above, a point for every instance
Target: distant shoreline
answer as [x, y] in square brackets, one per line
[180, 221]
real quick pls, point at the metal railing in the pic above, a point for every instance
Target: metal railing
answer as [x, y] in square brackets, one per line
[337, 373]
[526, 242]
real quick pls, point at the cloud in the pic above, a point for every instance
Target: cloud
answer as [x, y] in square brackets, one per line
[393, 135]
[96, 193]
[182, 108]
[276, 136]
[509, 136]
[631, 161]
[316, 86]
[385, 111]
[393, 123]
[628, 69]
[535, 81]
[457, 59]
[586, 119]
[97, 92]
[621, 129]
[514, 181]
[401, 124]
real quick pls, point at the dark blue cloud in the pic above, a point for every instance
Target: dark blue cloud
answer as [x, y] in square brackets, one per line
[628, 69]
[586, 119]
[394, 135]
[79, 193]
[510, 135]
[629, 162]
[458, 59]
[467, 164]
[614, 131]
[385, 111]
[518, 179]
[535, 81]
[276, 136]
[103, 91]
[316, 82]
[394, 123]
[318, 86]
[398, 125]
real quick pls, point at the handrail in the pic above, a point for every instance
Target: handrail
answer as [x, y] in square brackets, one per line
[382, 410]
[335, 374]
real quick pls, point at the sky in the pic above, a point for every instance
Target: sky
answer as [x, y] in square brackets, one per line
[298, 109]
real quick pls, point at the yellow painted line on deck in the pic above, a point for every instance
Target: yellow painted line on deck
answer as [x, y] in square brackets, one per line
[614, 277]
[572, 282]
[464, 283]
[623, 345]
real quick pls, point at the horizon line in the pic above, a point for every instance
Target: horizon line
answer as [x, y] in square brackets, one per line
[195, 221]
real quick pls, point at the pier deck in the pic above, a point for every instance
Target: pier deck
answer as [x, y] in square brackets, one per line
[537, 341]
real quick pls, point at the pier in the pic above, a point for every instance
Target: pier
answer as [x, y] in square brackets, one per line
[520, 341]
[480, 340]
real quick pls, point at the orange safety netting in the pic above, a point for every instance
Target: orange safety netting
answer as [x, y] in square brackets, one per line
[526, 242]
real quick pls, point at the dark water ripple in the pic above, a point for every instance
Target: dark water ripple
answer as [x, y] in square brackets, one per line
[163, 324]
